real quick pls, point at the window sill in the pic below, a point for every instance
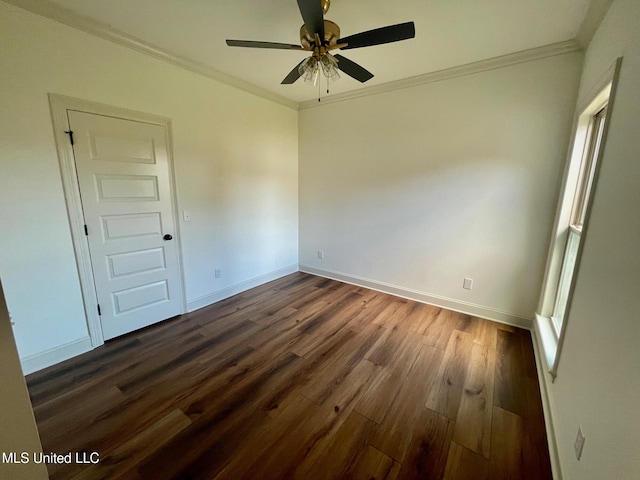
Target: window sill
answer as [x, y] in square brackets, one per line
[549, 340]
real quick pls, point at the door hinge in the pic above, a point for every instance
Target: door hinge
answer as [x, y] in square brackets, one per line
[70, 133]
[86, 230]
[99, 312]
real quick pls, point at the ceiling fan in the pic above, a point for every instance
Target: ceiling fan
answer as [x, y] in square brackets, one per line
[320, 36]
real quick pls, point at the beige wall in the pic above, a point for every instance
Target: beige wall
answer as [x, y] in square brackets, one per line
[598, 382]
[235, 157]
[18, 427]
[419, 188]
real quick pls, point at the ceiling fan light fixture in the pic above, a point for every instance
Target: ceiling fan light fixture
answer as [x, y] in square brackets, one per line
[310, 69]
[329, 67]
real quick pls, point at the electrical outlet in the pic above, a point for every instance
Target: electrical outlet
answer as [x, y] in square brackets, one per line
[320, 255]
[217, 273]
[579, 443]
[467, 284]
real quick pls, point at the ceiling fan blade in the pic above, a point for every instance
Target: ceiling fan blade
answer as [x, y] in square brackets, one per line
[293, 75]
[311, 11]
[378, 36]
[252, 44]
[353, 69]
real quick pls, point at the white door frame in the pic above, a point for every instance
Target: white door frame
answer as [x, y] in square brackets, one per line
[59, 105]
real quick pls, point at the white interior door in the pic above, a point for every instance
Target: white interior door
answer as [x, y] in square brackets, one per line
[123, 174]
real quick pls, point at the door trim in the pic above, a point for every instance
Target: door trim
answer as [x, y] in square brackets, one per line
[59, 105]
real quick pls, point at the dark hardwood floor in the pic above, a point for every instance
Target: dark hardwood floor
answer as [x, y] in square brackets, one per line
[303, 377]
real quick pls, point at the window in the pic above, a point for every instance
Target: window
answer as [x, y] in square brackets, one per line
[572, 220]
[578, 213]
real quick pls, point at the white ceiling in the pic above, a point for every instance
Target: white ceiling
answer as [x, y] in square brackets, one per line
[449, 33]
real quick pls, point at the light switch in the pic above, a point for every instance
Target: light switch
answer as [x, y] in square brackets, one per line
[186, 215]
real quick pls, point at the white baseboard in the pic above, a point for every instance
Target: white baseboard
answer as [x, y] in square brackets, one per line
[227, 292]
[543, 378]
[443, 302]
[38, 361]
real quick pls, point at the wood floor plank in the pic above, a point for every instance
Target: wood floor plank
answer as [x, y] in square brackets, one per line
[252, 380]
[467, 323]
[337, 309]
[117, 364]
[116, 425]
[342, 361]
[396, 430]
[537, 462]
[289, 443]
[506, 462]
[510, 375]
[335, 457]
[387, 346]
[280, 334]
[328, 323]
[303, 377]
[231, 306]
[394, 314]
[309, 369]
[349, 392]
[342, 398]
[429, 449]
[404, 357]
[486, 333]
[528, 356]
[269, 440]
[83, 401]
[385, 387]
[446, 389]
[211, 443]
[220, 424]
[441, 328]
[473, 422]
[303, 298]
[378, 399]
[421, 318]
[171, 376]
[463, 464]
[374, 465]
[373, 306]
[75, 374]
[130, 453]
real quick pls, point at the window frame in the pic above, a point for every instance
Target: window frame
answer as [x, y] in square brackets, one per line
[587, 168]
[551, 340]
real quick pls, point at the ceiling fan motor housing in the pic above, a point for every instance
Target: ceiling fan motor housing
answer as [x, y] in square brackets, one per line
[331, 35]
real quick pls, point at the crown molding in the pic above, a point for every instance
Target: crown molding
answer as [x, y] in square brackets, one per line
[554, 49]
[67, 17]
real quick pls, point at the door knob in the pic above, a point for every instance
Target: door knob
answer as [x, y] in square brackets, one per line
[167, 237]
